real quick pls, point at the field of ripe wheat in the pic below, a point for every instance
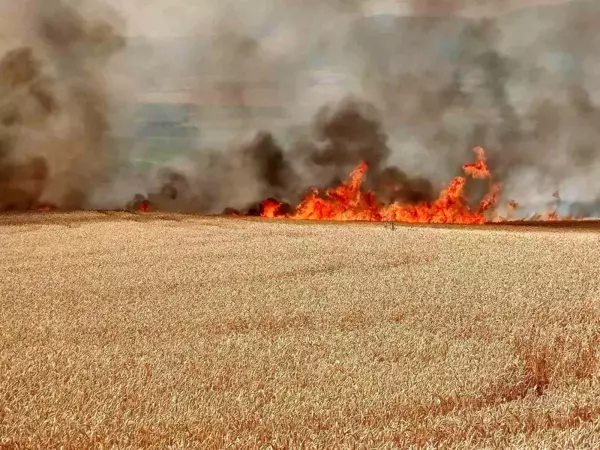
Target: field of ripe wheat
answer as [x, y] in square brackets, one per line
[155, 331]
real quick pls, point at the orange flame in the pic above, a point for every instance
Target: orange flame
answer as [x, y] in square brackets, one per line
[349, 202]
[270, 208]
[45, 207]
[478, 169]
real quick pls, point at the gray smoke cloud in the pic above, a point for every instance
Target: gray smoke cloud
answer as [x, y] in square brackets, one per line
[54, 108]
[291, 95]
[446, 84]
[431, 85]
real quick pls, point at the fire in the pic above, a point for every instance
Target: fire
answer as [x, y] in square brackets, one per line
[45, 208]
[345, 202]
[350, 202]
[270, 208]
[478, 169]
[144, 206]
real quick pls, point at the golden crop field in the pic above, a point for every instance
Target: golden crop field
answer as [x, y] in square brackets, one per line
[163, 331]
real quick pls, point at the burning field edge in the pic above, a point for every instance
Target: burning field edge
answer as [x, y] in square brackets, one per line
[74, 217]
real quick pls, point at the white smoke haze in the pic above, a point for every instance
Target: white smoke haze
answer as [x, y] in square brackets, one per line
[429, 79]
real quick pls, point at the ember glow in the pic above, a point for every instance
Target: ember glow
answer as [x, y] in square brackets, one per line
[350, 201]
[144, 206]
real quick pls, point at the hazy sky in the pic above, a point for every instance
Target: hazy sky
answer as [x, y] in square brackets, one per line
[163, 18]
[180, 17]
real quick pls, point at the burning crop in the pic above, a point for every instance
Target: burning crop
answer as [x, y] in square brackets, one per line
[66, 126]
[349, 201]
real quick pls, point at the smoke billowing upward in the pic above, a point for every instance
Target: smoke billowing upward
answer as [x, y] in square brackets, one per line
[240, 177]
[54, 109]
[293, 95]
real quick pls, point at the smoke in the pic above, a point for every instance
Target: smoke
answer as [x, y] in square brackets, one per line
[410, 95]
[545, 89]
[445, 84]
[291, 95]
[340, 136]
[461, 7]
[288, 130]
[54, 113]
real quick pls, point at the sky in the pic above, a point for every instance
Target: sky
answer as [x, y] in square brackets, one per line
[172, 18]
[180, 17]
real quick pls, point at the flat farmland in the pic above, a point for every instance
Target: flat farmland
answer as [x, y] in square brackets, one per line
[169, 331]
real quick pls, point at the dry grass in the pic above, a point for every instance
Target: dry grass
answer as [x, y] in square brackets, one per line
[216, 333]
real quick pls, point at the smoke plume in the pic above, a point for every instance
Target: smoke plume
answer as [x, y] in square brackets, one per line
[54, 113]
[287, 96]
[413, 95]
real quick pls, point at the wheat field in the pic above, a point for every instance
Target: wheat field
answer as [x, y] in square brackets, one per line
[163, 331]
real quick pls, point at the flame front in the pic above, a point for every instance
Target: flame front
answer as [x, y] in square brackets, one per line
[350, 202]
